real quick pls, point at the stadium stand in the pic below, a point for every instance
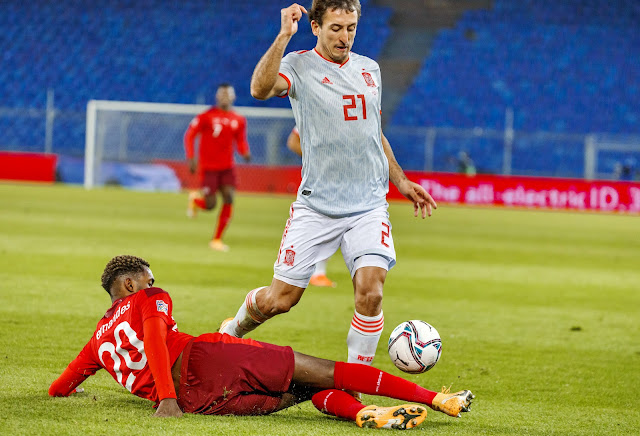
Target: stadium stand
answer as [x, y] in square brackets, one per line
[564, 67]
[577, 57]
[137, 50]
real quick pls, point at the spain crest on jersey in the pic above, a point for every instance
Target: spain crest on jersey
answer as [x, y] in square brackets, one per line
[368, 79]
[289, 257]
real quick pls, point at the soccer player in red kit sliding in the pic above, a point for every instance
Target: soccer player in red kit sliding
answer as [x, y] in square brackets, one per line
[137, 341]
[218, 128]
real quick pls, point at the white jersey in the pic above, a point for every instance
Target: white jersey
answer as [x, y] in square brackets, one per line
[337, 108]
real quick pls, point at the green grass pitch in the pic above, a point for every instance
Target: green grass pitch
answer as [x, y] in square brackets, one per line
[538, 311]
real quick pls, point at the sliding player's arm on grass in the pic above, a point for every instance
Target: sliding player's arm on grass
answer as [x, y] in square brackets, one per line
[414, 192]
[155, 345]
[76, 372]
[266, 81]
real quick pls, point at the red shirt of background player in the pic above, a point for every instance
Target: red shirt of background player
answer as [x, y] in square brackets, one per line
[218, 130]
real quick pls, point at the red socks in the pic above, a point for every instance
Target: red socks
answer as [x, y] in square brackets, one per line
[372, 381]
[200, 203]
[337, 403]
[223, 219]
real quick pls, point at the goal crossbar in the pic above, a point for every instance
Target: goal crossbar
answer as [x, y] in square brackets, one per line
[94, 106]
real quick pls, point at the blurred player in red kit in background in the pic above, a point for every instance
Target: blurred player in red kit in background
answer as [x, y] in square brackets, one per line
[218, 128]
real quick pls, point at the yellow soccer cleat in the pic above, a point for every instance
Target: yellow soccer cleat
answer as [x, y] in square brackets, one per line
[453, 403]
[396, 417]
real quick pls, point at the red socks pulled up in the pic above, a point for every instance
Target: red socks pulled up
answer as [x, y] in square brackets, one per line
[337, 403]
[200, 203]
[372, 381]
[223, 219]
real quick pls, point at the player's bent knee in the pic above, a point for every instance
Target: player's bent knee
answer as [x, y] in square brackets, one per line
[368, 302]
[210, 204]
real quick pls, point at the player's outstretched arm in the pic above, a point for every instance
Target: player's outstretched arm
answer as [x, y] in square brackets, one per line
[66, 384]
[415, 193]
[265, 81]
[80, 368]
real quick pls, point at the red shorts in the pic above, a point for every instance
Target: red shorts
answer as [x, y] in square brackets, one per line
[224, 375]
[211, 180]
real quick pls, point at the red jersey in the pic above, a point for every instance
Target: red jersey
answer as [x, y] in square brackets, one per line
[218, 130]
[118, 342]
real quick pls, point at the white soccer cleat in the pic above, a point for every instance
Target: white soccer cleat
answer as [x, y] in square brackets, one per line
[453, 403]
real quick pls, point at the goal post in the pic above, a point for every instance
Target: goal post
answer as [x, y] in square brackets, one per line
[603, 152]
[143, 133]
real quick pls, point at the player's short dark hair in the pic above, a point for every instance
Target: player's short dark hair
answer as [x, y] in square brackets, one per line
[319, 7]
[120, 265]
[225, 85]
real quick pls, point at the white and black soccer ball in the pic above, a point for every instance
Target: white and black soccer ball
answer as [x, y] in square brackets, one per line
[415, 346]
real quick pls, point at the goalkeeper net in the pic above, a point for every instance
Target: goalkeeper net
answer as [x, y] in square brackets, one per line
[152, 133]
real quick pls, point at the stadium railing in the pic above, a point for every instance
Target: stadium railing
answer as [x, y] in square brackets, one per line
[429, 148]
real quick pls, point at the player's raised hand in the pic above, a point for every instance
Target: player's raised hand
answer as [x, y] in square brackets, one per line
[289, 18]
[420, 198]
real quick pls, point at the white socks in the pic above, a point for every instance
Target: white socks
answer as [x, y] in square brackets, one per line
[363, 337]
[321, 268]
[248, 317]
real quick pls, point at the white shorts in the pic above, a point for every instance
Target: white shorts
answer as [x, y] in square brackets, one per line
[309, 237]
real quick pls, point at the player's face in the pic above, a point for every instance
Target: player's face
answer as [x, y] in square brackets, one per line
[225, 97]
[336, 35]
[143, 280]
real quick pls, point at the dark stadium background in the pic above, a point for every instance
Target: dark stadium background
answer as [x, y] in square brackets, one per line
[541, 77]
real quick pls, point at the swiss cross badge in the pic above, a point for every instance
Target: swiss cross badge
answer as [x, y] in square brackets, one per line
[289, 257]
[368, 79]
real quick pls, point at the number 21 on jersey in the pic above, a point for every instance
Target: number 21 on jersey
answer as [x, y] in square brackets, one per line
[352, 103]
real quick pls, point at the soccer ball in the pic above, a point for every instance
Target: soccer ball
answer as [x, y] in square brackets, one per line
[415, 346]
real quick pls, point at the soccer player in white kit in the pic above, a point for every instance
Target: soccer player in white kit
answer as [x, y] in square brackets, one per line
[346, 166]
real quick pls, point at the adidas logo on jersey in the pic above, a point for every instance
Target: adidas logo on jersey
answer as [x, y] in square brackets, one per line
[327, 81]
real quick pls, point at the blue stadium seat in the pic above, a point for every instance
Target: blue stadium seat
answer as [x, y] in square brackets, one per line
[141, 50]
[566, 67]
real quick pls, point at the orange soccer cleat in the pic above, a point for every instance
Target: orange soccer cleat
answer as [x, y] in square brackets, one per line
[396, 417]
[322, 280]
[453, 403]
[218, 245]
